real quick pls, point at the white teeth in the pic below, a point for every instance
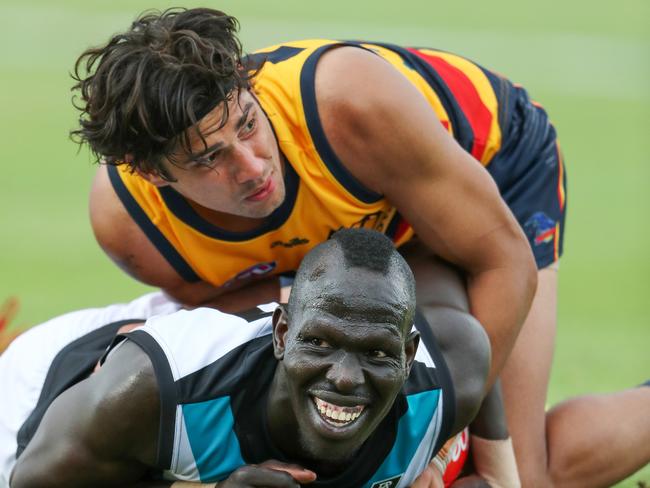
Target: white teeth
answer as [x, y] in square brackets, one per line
[340, 415]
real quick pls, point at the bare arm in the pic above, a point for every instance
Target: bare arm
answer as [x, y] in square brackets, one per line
[125, 243]
[442, 297]
[390, 139]
[101, 432]
[104, 432]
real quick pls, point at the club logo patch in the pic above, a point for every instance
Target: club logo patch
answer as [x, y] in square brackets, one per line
[540, 228]
[389, 483]
[254, 272]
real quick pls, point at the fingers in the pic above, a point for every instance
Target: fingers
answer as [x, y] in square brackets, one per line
[270, 474]
[298, 473]
[430, 478]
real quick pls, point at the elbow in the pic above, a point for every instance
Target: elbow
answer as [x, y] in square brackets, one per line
[470, 391]
[465, 346]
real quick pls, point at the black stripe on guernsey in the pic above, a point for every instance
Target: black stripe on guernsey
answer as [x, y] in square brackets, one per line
[223, 376]
[504, 91]
[391, 229]
[252, 314]
[463, 132]
[256, 60]
[74, 363]
[150, 230]
[167, 394]
[184, 211]
[443, 377]
[331, 160]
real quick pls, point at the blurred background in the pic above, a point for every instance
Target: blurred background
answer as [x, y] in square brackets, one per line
[587, 63]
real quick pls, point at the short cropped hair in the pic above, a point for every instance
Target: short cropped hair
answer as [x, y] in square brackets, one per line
[364, 248]
[360, 248]
[139, 93]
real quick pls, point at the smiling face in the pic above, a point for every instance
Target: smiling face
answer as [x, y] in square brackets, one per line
[345, 354]
[237, 171]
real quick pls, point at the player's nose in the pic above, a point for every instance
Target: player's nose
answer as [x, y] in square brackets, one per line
[346, 373]
[247, 165]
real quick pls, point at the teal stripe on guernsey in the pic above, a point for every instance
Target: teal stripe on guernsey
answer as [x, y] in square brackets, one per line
[411, 430]
[210, 430]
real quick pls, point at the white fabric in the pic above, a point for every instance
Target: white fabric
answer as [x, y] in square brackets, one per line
[25, 363]
[494, 461]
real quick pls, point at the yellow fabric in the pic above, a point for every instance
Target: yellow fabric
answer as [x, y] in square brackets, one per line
[323, 204]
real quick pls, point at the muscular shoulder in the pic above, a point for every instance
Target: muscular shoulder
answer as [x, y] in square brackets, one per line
[123, 406]
[115, 230]
[373, 116]
[103, 428]
[123, 240]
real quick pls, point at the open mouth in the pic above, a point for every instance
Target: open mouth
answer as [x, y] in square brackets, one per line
[337, 415]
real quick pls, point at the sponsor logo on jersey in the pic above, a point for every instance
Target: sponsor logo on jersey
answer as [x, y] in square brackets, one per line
[540, 228]
[389, 483]
[254, 272]
[376, 221]
[296, 241]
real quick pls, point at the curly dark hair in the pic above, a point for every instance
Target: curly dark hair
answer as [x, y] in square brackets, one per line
[141, 91]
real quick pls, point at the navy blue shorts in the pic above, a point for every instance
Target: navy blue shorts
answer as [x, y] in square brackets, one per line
[529, 171]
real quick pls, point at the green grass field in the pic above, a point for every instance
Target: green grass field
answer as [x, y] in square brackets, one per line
[587, 63]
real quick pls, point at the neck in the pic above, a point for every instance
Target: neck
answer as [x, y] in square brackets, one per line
[280, 419]
[228, 222]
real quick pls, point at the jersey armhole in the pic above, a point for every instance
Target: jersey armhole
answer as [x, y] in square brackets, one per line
[444, 379]
[315, 127]
[155, 236]
[167, 395]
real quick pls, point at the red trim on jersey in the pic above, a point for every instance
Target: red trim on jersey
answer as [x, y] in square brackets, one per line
[457, 457]
[467, 96]
[402, 227]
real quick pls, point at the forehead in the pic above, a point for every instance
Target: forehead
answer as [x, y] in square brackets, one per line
[351, 331]
[213, 121]
[356, 295]
[212, 129]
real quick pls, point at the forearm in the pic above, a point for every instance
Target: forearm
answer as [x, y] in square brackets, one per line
[500, 299]
[203, 294]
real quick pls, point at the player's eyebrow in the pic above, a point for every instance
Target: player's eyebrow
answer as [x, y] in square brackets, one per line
[219, 145]
[207, 150]
[244, 115]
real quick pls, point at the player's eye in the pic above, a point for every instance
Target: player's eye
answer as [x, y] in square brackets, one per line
[209, 160]
[250, 125]
[318, 342]
[377, 354]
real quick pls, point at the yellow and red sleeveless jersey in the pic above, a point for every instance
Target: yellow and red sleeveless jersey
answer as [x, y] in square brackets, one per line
[322, 196]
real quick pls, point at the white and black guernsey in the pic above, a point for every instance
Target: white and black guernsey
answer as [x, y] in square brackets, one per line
[214, 371]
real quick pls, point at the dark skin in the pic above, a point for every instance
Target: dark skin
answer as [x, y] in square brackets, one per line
[362, 358]
[345, 348]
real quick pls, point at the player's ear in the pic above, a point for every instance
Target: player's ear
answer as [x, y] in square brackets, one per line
[411, 347]
[280, 329]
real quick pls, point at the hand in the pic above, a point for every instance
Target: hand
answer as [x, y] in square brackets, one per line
[269, 474]
[430, 478]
